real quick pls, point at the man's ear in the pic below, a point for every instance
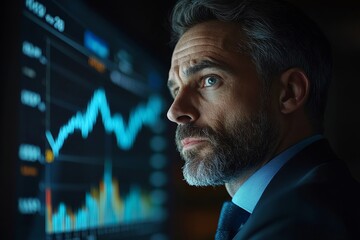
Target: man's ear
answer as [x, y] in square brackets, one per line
[294, 90]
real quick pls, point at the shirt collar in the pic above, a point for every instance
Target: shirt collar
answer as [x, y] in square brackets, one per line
[250, 192]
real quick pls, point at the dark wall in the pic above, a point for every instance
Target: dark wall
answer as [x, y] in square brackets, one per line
[9, 22]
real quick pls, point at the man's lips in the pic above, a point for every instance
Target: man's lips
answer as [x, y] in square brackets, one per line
[191, 142]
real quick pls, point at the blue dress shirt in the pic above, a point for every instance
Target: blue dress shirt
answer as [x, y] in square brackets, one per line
[250, 192]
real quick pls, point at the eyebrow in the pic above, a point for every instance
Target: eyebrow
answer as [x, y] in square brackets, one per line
[197, 68]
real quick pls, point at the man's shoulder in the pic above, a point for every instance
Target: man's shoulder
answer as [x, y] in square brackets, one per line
[314, 195]
[310, 210]
[315, 166]
[316, 179]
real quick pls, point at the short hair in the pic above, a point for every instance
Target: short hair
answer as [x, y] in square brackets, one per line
[279, 36]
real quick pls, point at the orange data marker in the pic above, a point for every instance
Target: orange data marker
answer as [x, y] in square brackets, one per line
[49, 156]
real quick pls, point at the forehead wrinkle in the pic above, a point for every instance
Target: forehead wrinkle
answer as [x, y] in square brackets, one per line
[220, 38]
[219, 44]
[184, 52]
[195, 41]
[188, 59]
[189, 65]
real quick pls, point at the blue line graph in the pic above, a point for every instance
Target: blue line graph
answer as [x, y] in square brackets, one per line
[144, 114]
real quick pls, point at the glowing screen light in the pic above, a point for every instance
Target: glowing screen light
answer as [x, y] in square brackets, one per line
[92, 136]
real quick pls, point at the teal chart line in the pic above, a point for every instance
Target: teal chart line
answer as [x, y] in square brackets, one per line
[144, 114]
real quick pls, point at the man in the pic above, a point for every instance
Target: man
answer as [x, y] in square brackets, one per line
[249, 81]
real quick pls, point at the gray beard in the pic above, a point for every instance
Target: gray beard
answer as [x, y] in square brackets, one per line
[230, 153]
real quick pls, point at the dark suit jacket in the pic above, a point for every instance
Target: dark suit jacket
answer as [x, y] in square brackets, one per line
[313, 196]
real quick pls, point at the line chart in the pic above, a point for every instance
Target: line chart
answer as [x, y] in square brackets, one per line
[143, 115]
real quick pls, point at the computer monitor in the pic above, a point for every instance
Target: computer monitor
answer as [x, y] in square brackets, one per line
[91, 158]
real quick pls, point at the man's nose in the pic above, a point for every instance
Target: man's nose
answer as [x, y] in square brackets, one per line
[183, 109]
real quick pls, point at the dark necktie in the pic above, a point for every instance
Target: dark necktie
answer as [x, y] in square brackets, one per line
[232, 217]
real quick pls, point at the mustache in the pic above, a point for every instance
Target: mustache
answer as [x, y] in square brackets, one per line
[189, 130]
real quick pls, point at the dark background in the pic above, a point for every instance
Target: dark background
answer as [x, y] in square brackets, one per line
[146, 22]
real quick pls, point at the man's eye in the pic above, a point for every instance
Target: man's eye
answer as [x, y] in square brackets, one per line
[210, 81]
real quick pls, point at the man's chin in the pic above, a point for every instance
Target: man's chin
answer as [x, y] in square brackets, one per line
[196, 173]
[202, 182]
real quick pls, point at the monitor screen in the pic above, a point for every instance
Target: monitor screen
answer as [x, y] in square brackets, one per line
[91, 152]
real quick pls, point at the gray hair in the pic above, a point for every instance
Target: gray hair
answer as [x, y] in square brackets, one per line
[279, 37]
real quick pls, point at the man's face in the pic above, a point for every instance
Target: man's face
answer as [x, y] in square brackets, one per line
[224, 129]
